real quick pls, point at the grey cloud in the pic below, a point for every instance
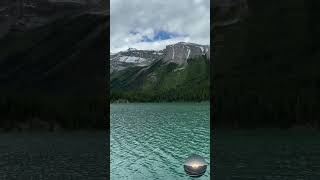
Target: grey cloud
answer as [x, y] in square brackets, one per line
[189, 17]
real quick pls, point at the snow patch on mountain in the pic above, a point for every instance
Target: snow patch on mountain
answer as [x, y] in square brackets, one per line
[131, 59]
[188, 55]
[177, 53]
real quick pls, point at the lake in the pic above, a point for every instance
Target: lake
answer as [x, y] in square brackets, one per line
[152, 140]
[53, 156]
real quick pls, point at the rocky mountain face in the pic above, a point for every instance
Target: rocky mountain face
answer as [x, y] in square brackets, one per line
[177, 53]
[178, 72]
[133, 57]
[180, 52]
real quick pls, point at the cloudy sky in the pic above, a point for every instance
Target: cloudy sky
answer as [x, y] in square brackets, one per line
[153, 24]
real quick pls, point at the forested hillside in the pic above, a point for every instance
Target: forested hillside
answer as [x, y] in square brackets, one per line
[162, 81]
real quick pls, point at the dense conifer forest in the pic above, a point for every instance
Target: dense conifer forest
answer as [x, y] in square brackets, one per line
[163, 82]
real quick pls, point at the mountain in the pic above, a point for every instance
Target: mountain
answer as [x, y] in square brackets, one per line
[176, 53]
[178, 72]
[133, 57]
[180, 52]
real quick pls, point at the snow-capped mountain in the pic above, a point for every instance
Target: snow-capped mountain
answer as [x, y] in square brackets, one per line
[133, 57]
[176, 53]
[179, 70]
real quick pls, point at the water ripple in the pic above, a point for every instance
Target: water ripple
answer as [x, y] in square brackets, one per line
[151, 141]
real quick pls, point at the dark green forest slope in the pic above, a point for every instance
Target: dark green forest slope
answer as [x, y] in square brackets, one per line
[163, 82]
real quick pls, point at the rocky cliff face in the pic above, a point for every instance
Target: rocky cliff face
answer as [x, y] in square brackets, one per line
[133, 57]
[180, 52]
[178, 72]
[177, 53]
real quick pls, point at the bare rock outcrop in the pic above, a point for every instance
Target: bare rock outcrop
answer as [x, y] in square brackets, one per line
[179, 53]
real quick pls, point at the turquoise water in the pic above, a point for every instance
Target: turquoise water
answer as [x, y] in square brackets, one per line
[151, 141]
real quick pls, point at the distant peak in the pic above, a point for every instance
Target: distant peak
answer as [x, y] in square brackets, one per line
[132, 49]
[183, 42]
[186, 43]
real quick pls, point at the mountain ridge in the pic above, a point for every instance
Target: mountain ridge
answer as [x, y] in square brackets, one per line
[180, 72]
[177, 53]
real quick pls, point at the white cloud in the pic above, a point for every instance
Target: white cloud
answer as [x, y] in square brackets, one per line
[190, 18]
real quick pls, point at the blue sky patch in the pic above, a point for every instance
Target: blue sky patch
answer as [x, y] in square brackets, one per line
[146, 39]
[163, 35]
[159, 35]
